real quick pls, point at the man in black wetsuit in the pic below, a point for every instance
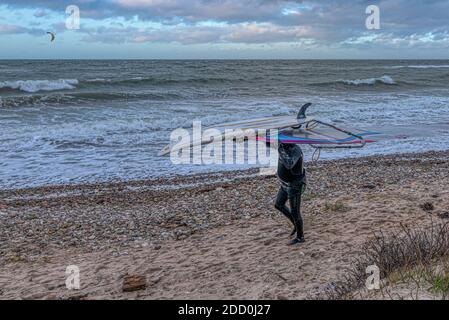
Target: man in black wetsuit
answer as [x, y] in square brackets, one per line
[293, 181]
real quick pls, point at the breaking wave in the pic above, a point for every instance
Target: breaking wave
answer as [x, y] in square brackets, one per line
[370, 81]
[39, 85]
[384, 80]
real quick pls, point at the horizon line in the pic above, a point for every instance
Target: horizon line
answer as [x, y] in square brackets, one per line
[228, 59]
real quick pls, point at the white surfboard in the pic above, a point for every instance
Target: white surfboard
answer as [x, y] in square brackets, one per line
[240, 130]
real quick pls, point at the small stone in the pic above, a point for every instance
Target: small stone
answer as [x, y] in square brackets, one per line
[78, 297]
[51, 296]
[134, 283]
[427, 206]
[444, 215]
[331, 286]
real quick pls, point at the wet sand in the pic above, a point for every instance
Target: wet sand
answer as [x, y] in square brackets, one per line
[212, 236]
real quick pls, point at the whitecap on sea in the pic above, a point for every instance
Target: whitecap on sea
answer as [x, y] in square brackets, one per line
[39, 85]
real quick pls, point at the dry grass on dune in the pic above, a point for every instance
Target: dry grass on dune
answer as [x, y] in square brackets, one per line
[413, 264]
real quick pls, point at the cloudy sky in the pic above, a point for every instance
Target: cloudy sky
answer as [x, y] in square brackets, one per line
[224, 29]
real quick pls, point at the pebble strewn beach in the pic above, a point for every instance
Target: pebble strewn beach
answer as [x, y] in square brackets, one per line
[211, 235]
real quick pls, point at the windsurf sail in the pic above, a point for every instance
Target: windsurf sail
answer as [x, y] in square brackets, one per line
[299, 129]
[319, 137]
[320, 134]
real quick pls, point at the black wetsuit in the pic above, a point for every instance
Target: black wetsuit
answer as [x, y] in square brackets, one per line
[293, 180]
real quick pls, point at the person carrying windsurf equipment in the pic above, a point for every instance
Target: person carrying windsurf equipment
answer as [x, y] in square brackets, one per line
[290, 132]
[292, 177]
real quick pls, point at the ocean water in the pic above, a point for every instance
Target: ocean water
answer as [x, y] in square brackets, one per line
[87, 121]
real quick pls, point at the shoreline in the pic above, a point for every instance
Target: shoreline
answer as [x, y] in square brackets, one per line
[218, 237]
[175, 182]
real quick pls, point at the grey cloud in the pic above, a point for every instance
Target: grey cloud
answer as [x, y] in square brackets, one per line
[6, 29]
[239, 33]
[41, 13]
[328, 22]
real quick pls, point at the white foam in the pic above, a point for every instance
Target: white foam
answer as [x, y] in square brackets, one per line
[98, 80]
[370, 81]
[39, 85]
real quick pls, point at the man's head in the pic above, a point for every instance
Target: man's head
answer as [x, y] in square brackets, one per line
[285, 146]
[289, 154]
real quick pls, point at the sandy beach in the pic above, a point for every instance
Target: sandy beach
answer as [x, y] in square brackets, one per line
[211, 236]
